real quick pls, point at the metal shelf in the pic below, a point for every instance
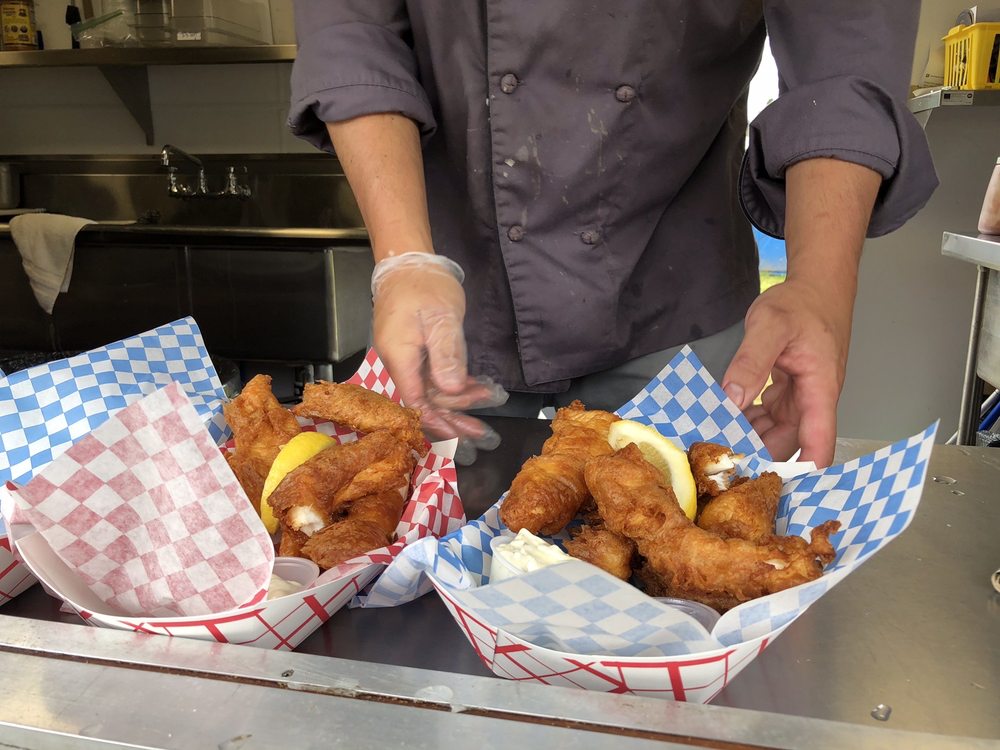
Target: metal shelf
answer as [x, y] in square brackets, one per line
[143, 56]
[126, 69]
[954, 98]
[981, 249]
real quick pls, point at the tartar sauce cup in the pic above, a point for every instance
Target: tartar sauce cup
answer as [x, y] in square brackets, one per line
[523, 553]
[500, 569]
[701, 612]
[297, 570]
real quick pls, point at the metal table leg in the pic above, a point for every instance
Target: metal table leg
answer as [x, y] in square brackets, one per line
[968, 415]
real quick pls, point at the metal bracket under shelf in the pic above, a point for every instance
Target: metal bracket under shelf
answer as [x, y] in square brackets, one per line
[131, 85]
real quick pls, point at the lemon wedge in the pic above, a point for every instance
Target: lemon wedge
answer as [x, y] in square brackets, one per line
[661, 452]
[295, 452]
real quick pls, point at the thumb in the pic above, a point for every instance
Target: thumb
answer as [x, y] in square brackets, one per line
[751, 365]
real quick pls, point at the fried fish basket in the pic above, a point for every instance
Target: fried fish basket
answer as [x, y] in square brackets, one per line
[575, 625]
[972, 57]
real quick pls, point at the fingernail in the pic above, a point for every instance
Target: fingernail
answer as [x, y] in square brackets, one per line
[489, 440]
[735, 393]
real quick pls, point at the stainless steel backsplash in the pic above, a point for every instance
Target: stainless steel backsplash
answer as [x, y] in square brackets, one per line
[287, 190]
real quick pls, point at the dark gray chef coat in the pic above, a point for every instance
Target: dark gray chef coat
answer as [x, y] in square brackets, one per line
[585, 160]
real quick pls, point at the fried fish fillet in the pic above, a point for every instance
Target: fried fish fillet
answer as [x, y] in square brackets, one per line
[744, 511]
[343, 540]
[604, 548]
[363, 411]
[688, 561]
[369, 523]
[261, 426]
[550, 488]
[344, 501]
[713, 467]
[309, 496]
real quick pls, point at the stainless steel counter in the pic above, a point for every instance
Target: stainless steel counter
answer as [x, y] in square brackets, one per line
[981, 249]
[134, 233]
[914, 629]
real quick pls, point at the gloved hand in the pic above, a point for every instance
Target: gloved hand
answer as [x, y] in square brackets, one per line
[419, 306]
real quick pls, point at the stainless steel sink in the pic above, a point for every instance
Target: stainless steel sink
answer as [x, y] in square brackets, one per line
[283, 276]
[287, 191]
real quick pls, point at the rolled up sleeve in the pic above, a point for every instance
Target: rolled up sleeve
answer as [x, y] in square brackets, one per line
[844, 72]
[353, 60]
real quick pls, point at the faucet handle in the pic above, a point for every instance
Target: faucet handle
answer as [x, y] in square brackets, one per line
[233, 186]
[173, 187]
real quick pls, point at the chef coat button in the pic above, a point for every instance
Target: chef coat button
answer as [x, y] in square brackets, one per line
[590, 236]
[515, 233]
[625, 94]
[508, 83]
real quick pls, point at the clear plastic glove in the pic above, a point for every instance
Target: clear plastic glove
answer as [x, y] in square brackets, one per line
[419, 306]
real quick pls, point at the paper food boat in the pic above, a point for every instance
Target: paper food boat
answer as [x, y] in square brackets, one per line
[14, 576]
[574, 625]
[139, 376]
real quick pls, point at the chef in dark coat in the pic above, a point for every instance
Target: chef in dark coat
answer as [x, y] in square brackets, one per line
[582, 166]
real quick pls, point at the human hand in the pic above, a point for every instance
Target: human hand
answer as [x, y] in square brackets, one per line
[799, 334]
[419, 306]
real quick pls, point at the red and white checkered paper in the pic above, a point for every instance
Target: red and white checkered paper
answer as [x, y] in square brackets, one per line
[147, 513]
[434, 508]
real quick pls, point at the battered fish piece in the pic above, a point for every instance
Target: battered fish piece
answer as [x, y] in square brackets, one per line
[369, 523]
[550, 488]
[647, 579]
[744, 511]
[693, 563]
[713, 467]
[343, 540]
[291, 542]
[391, 471]
[604, 548]
[307, 499]
[261, 426]
[363, 411]
[344, 501]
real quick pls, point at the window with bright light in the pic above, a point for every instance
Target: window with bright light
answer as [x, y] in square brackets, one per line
[763, 91]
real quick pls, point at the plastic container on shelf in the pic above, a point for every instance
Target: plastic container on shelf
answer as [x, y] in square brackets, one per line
[109, 30]
[989, 217]
[18, 30]
[969, 58]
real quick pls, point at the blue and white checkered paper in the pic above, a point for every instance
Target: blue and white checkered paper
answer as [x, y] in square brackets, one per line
[46, 408]
[874, 498]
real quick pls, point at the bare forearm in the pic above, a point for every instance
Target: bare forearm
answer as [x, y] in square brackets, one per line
[382, 160]
[829, 205]
[799, 332]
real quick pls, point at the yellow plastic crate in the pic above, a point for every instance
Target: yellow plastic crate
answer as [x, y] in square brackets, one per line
[972, 57]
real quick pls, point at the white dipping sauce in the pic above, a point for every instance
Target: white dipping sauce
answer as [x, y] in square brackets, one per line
[280, 587]
[523, 554]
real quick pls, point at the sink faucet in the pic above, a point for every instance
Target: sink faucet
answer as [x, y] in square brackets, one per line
[175, 188]
[168, 150]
